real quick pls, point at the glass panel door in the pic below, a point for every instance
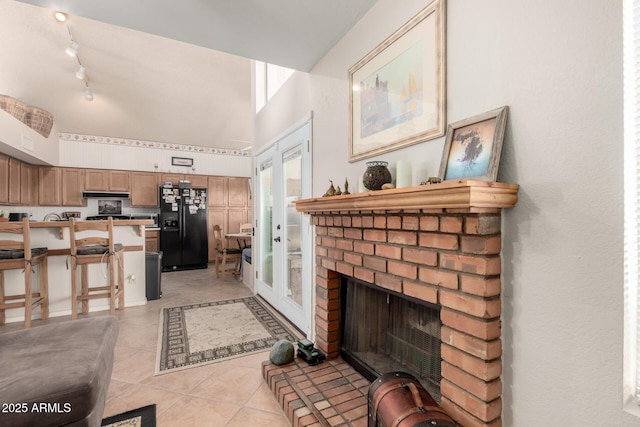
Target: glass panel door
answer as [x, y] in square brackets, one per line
[265, 223]
[284, 235]
[292, 170]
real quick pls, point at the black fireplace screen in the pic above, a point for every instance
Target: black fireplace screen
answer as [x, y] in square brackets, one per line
[386, 332]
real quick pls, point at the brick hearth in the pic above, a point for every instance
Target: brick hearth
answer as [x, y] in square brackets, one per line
[446, 254]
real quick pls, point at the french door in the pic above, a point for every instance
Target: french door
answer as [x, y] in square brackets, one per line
[283, 235]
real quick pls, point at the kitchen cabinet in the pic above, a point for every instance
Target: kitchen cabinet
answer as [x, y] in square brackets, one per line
[14, 181]
[218, 191]
[152, 240]
[72, 186]
[119, 180]
[4, 179]
[107, 180]
[238, 192]
[49, 189]
[96, 180]
[28, 184]
[173, 178]
[144, 189]
[198, 181]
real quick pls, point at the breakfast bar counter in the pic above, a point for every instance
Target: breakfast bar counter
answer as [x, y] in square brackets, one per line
[54, 235]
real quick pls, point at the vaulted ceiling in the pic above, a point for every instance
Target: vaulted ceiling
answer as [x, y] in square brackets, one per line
[161, 70]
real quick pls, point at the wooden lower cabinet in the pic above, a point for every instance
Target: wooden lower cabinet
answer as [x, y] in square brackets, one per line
[152, 240]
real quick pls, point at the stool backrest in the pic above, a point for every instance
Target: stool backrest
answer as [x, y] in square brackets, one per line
[218, 239]
[24, 243]
[103, 229]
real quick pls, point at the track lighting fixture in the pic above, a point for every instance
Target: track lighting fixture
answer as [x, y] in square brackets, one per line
[72, 49]
[80, 74]
[88, 95]
[60, 17]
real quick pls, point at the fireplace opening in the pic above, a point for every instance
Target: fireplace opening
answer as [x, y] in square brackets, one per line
[383, 331]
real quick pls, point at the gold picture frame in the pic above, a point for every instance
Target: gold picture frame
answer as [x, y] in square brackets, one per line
[397, 91]
[473, 146]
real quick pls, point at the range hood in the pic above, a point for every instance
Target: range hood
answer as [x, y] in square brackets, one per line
[105, 195]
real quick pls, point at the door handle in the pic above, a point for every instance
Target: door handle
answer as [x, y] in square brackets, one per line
[276, 239]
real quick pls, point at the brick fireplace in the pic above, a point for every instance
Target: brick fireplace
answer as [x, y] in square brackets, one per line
[438, 243]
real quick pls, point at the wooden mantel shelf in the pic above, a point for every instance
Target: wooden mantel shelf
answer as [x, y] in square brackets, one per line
[462, 194]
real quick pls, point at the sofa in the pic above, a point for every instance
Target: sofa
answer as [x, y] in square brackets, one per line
[57, 374]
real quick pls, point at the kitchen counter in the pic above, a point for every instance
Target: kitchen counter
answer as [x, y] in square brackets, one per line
[55, 236]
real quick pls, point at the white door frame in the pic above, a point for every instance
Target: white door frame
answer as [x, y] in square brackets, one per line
[298, 134]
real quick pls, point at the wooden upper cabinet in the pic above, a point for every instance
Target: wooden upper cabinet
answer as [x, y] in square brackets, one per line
[4, 179]
[144, 189]
[14, 181]
[198, 181]
[72, 185]
[238, 192]
[28, 185]
[49, 188]
[96, 180]
[119, 181]
[217, 186]
[173, 178]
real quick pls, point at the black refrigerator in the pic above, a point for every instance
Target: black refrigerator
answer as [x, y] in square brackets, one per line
[183, 228]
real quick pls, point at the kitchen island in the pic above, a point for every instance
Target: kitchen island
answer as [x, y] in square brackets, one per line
[55, 236]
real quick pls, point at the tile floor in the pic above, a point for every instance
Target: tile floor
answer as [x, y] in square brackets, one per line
[230, 394]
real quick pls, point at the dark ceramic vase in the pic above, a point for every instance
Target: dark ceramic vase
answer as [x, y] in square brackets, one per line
[376, 175]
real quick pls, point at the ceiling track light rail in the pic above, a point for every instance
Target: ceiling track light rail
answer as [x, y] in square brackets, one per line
[81, 73]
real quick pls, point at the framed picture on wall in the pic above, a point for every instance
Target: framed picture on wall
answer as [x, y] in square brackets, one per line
[472, 147]
[397, 91]
[181, 161]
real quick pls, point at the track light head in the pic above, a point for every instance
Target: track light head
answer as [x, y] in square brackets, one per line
[88, 95]
[80, 74]
[72, 49]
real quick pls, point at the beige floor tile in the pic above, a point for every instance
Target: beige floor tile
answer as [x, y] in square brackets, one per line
[136, 367]
[137, 396]
[182, 381]
[196, 412]
[144, 337]
[254, 417]
[117, 387]
[264, 400]
[231, 384]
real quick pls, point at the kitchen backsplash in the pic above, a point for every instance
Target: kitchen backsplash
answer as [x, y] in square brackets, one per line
[38, 212]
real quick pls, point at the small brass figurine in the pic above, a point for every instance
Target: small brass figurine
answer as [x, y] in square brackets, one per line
[431, 180]
[338, 191]
[346, 187]
[331, 191]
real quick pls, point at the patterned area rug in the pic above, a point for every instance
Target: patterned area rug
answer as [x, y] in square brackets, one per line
[141, 417]
[210, 332]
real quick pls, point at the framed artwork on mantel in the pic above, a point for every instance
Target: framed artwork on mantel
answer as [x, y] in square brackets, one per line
[472, 147]
[397, 91]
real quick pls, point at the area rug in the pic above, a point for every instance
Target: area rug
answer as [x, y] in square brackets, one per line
[141, 417]
[197, 334]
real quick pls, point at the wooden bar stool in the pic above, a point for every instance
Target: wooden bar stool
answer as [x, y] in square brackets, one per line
[92, 249]
[18, 254]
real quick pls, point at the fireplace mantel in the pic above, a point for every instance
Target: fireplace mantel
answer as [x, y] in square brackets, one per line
[463, 194]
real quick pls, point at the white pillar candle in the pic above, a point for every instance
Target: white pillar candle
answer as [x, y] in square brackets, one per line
[404, 174]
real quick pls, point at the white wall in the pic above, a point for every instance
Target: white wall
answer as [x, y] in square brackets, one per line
[111, 156]
[558, 65]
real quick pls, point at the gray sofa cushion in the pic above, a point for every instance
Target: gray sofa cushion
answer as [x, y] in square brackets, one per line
[65, 365]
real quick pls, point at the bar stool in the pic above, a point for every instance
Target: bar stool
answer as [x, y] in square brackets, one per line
[18, 254]
[94, 249]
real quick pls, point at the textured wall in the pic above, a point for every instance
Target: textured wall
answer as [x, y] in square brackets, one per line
[558, 65]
